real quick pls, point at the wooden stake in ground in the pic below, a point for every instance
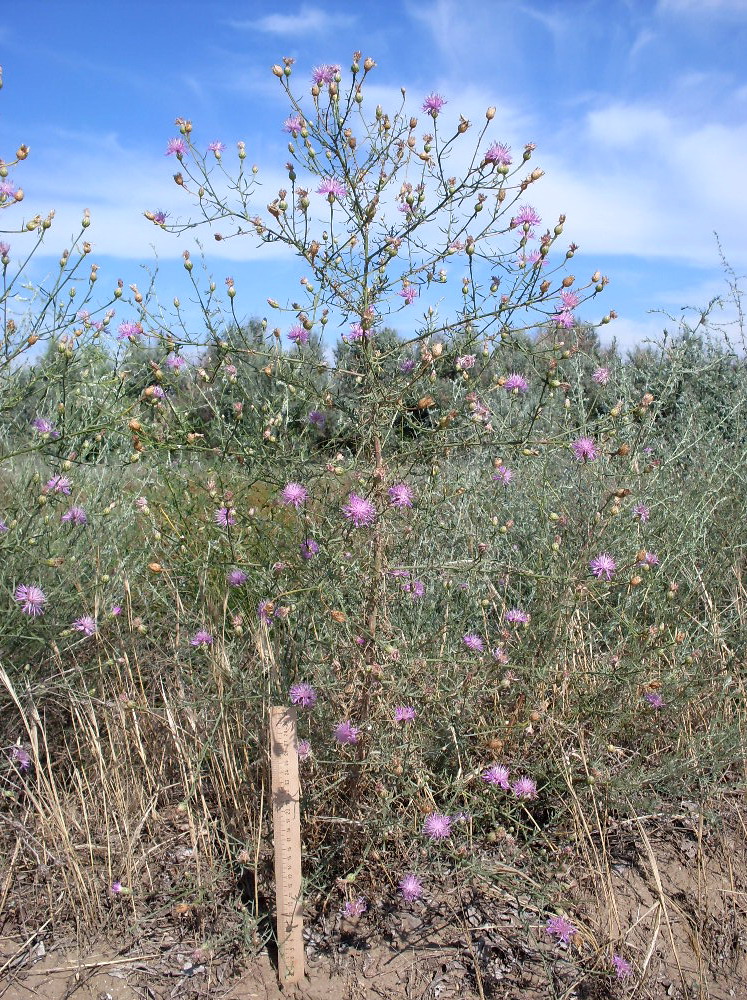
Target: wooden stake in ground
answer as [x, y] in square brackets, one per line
[286, 820]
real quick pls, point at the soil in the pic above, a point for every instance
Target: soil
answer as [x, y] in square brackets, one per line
[670, 895]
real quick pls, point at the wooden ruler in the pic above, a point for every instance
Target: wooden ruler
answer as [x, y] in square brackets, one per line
[286, 821]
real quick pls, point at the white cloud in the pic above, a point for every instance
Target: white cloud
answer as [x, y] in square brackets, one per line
[308, 21]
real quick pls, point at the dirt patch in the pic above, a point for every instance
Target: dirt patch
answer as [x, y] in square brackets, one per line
[668, 895]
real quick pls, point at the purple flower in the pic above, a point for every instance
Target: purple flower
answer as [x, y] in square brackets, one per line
[216, 147]
[503, 475]
[237, 578]
[346, 732]
[406, 365]
[623, 968]
[561, 929]
[569, 300]
[584, 449]
[128, 330]
[176, 147]
[526, 216]
[75, 515]
[603, 566]
[404, 713]
[176, 362]
[20, 757]
[293, 124]
[654, 699]
[357, 332]
[432, 104]
[303, 694]
[500, 655]
[332, 187]
[324, 74]
[4, 248]
[294, 495]
[304, 749]
[86, 625]
[3, 527]
[58, 484]
[115, 888]
[409, 293]
[265, 611]
[225, 517]
[465, 362]
[160, 217]
[7, 190]
[516, 383]
[564, 319]
[473, 642]
[155, 392]
[524, 788]
[516, 617]
[355, 908]
[298, 335]
[32, 599]
[410, 888]
[317, 419]
[499, 153]
[401, 495]
[308, 548]
[116, 610]
[437, 826]
[359, 510]
[641, 512]
[43, 426]
[649, 559]
[601, 376]
[201, 639]
[497, 775]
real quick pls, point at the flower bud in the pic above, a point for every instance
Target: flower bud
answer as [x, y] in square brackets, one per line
[490, 113]
[568, 280]
[277, 71]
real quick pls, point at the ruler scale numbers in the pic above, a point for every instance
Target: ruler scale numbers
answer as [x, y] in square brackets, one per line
[286, 821]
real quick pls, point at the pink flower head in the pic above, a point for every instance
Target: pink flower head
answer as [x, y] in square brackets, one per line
[317, 419]
[4, 248]
[115, 888]
[503, 475]
[410, 888]
[654, 699]
[175, 362]
[561, 929]
[584, 449]
[201, 639]
[308, 548]
[43, 426]
[129, 330]
[216, 146]
[237, 578]
[473, 642]
[409, 293]
[298, 335]
[401, 495]
[293, 124]
[355, 907]
[332, 187]
[433, 104]
[601, 376]
[346, 732]
[324, 74]
[500, 655]
[564, 319]
[649, 559]
[465, 362]
[225, 517]
[176, 147]
[569, 300]
[524, 788]
[3, 527]
[603, 566]
[304, 749]
[497, 775]
[357, 333]
[359, 510]
[76, 516]
[623, 968]
[159, 217]
[516, 383]
[303, 694]
[404, 713]
[641, 512]
[58, 484]
[526, 216]
[32, 599]
[266, 611]
[86, 625]
[499, 153]
[21, 757]
[515, 616]
[295, 495]
[437, 826]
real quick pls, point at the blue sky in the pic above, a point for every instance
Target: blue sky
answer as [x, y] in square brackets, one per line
[638, 110]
